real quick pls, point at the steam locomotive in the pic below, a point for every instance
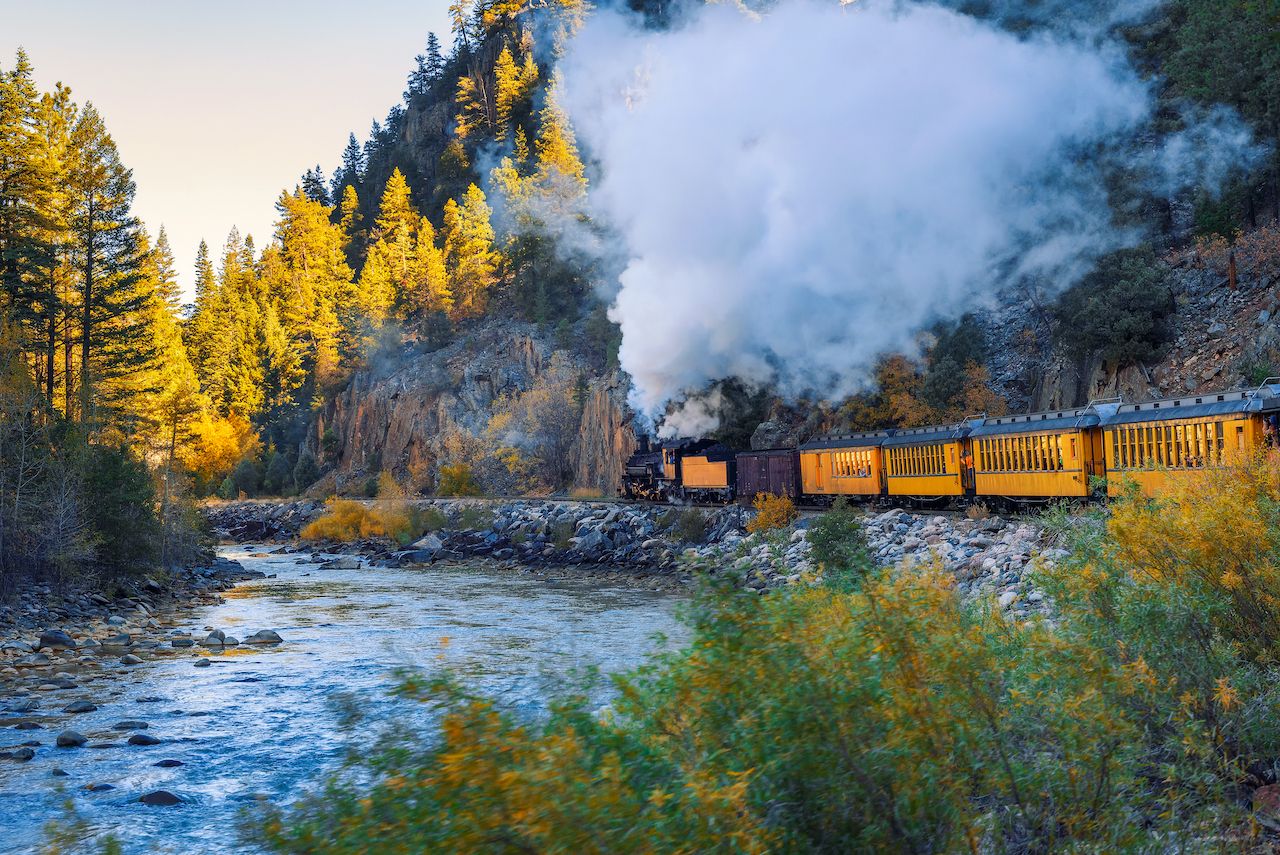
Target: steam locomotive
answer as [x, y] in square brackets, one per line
[1075, 454]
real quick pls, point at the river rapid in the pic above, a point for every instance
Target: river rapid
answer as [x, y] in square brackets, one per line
[265, 722]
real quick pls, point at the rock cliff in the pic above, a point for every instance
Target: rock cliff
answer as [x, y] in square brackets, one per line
[411, 411]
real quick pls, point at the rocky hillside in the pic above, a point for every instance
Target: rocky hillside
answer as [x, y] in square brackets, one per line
[502, 388]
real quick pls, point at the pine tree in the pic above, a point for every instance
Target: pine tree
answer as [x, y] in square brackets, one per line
[113, 333]
[351, 172]
[434, 293]
[468, 252]
[351, 221]
[560, 174]
[475, 107]
[506, 79]
[167, 277]
[313, 184]
[435, 58]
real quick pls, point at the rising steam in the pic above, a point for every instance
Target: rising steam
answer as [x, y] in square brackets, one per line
[800, 191]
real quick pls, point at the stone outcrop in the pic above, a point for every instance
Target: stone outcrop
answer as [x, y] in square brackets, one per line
[410, 412]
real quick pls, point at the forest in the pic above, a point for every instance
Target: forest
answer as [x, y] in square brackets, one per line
[123, 403]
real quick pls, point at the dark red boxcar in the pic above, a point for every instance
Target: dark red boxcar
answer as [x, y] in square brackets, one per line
[776, 471]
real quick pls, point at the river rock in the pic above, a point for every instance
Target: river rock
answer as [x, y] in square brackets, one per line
[121, 639]
[80, 707]
[22, 755]
[130, 725]
[143, 739]
[160, 798]
[59, 772]
[264, 636]
[216, 638]
[182, 642]
[100, 788]
[202, 663]
[168, 764]
[56, 639]
[24, 705]
[28, 725]
[130, 659]
[345, 563]
[71, 739]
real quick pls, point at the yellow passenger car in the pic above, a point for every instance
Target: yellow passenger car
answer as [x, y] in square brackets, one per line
[1155, 443]
[927, 463]
[1037, 456]
[848, 465]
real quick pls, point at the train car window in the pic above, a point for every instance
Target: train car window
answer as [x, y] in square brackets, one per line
[1220, 440]
[1239, 437]
[1042, 447]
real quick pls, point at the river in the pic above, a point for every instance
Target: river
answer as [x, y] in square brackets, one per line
[265, 722]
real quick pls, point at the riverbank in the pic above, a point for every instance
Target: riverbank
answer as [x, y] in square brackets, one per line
[266, 722]
[664, 546]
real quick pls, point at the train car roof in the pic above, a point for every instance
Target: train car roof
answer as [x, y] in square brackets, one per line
[1260, 400]
[1053, 420]
[766, 452]
[871, 439]
[927, 435]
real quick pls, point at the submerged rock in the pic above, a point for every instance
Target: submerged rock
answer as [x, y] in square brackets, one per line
[264, 636]
[160, 798]
[71, 739]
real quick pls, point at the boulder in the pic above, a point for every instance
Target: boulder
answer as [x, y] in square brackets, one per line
[130, 659]
[71, 739]
[160, 798]
[56, 639]
[80, 707]
[264, 636]
[143, 739]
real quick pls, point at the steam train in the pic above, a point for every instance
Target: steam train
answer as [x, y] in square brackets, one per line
[1010, 460]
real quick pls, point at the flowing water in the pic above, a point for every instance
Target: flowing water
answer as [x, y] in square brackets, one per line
[265, 722]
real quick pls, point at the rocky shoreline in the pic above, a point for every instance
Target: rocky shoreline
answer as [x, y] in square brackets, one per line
[659, 545]
[66, 654]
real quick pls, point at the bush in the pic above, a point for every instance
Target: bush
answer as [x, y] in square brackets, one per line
[838, 541]
[121, 510]
[305, 472]
[432, 519]
[348, 520]
[887, 717]
[227, 490]
[688, 525]
[771, 512]
[370, 488]
[475, 518]
[561, 535]
[278, 480]
[457, 480]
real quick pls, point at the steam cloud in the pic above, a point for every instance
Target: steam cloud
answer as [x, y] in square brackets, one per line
[801, 191]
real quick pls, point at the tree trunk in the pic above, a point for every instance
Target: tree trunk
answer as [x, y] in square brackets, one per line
[86, 319]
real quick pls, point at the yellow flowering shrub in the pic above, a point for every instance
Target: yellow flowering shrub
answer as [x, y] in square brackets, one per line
[772, 512]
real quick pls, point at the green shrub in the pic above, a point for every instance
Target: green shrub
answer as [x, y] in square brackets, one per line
[561, 534]
[121, 509]
[688, 525]
[227, 490]
[475, 517]
[432, 519]
[839, 543]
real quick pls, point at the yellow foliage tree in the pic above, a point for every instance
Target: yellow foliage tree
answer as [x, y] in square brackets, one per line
[468, 252]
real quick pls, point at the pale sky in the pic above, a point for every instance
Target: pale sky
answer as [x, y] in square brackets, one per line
[218, 106]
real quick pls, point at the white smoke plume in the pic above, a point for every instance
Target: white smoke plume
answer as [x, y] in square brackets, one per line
[801, 190]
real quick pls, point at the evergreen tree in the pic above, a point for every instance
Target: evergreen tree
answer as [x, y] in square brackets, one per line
[113, 334]
[313, 184]
[435, 58]
[351, 172]
[468, 252]
[351, 221]
[167, 277]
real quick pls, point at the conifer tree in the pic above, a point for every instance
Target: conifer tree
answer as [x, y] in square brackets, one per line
[560, 173]
[112, 331]
[435, 58]
[351, 172]
[506, 79]
[351, 221]
[468, 251]
[313, 184]
[166, 275]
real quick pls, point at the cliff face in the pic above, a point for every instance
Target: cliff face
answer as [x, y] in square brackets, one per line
[411, 413]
